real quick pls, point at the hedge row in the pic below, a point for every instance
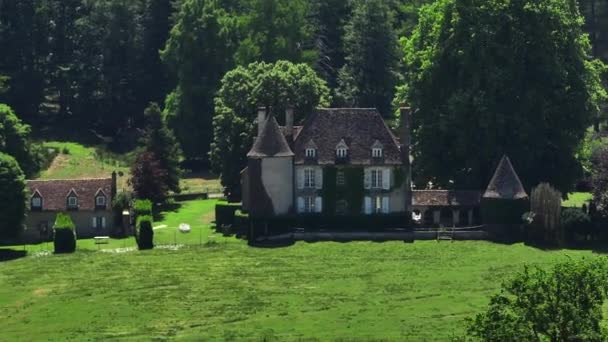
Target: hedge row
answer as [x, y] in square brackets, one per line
[144, 232]
[224, 213]
[64, 234]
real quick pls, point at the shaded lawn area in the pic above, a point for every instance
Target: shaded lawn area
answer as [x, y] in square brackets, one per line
[577, 199]
[229, 291]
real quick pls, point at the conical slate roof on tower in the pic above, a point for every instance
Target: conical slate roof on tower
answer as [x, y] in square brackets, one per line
[505, 183]
[271, 142]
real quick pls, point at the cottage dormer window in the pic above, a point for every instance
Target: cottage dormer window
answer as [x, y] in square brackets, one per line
[36, 202]
[100, 201]
[72, 201]
[341, 152]
[377, 152]
[311, 153]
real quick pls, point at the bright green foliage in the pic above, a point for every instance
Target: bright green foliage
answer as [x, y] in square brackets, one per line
[273, 30]
[562, 305]
[198, 52]
[369, 77]
[161, 141]
[15, 141]
[242, 90]
[12, 196]
[142, 207]
[494, 77]
[145, 232]
[64, 234]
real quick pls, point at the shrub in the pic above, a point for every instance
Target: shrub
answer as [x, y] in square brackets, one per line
[546, 204]
[143, 207]
[241, 219]
[224, 213]
[13, 196]
[575, 222]
[64, 234]
[145, 233]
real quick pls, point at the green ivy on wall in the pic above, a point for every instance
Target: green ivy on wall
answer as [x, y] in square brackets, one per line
[352, 191]
[328, 193]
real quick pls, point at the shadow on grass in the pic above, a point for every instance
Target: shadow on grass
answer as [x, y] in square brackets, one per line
[11, 254]
[163, 209]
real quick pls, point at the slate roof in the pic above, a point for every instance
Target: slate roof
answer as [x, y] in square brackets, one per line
[359, 127]
[54, 193]
[445, 198]
[271, 142]
[505, 183]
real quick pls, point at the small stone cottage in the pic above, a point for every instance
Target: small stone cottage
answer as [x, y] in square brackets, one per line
[87, 201]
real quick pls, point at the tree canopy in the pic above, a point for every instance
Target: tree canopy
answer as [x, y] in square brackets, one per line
[15, 141]
[12, 196]
[494, 77]
[242, 91]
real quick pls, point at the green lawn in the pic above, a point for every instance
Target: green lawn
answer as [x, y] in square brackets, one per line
[577, 199]
[225, 290]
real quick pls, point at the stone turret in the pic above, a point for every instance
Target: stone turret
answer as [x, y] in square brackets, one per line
[270, 173]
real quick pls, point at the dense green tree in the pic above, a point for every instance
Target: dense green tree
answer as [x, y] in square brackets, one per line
[12, 196]
[500, 77]
[147, 178]
[564, 304]
[275, 86]
[271, 30]
[599, 181]
[368, 78]
[15, 141]
[160, 140]
[329, 18]
[198, 52]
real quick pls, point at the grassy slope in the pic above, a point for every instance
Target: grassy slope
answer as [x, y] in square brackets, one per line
[226, 291]
[577, 199]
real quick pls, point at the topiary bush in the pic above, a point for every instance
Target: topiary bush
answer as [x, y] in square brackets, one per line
[224, 213]
[576, 224]
[142, 207]
[64, 234]
[144, 233]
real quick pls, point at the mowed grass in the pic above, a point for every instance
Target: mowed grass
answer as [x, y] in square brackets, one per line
[83, 162]
[225, 290]
[577, 199]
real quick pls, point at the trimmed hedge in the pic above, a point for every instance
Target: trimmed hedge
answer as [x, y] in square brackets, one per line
[241, 219]
[224, 213]
[142, 207]
[144, 233]
[575, 222]
[64, 234]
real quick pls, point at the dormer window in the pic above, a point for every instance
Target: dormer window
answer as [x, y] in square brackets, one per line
[100, 201]
[311, 153]
[36, 201]
[377, 150]
[72, 200]
[342, 150]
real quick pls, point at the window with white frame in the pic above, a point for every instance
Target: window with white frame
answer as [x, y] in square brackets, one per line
[100, 201]
[340, 178]
[377, 205]
[376, 178]
[309, 204]
[72, 201]
[36, 202]
[341, 152]
[311, 153]
[377, 152]
[309, 178]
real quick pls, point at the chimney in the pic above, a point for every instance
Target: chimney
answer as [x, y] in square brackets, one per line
[113, 190]
[261, 119]
[289, 116]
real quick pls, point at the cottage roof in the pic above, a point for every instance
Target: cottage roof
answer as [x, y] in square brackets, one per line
[445, 198]
[505, 183]
[359, 128]
[54, 193]
[271, 142]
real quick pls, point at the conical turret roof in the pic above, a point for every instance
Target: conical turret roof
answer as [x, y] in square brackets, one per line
[505, 183]
[271, 142]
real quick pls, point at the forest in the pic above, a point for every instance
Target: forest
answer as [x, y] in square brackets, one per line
[92, 67]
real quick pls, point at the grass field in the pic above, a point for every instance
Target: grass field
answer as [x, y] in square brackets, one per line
[225, 290]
